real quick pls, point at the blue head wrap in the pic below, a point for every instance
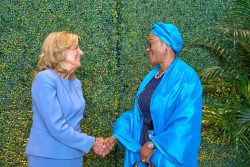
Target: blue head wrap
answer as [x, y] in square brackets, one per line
[169, 34]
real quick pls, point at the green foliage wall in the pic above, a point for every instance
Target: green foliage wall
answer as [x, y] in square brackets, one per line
[112, 34]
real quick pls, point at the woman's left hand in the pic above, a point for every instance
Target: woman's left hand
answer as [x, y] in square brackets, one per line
[146, 153]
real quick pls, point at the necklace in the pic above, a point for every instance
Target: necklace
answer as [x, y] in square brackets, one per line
[157, 75]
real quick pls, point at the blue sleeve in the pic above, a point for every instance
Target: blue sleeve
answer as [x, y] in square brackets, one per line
[44, 94]
[121, 132]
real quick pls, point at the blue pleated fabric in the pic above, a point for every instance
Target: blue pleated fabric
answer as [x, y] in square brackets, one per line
[176, 111]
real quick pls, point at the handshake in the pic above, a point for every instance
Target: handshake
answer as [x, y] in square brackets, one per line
[102, 146]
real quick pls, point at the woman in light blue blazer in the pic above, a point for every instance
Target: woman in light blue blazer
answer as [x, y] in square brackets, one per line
[58, 106]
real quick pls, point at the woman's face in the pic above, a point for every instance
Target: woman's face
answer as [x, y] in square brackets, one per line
[72, 59]
[156, 50]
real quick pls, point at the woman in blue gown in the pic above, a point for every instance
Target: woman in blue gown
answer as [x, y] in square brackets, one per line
[165, 124]
[58, 106]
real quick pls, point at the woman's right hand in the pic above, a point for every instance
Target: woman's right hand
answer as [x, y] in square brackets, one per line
[98, 147]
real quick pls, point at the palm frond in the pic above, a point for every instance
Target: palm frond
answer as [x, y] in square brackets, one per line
[243, 139]
[215, 47]
[244, 88]
[245, 46]
[245, 142]
[210, 72]
[231, 48]
[243, 131]
[241, 33]
[236, 33]
[245, 119]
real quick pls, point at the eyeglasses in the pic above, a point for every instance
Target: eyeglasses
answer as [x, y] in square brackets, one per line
[149, 44]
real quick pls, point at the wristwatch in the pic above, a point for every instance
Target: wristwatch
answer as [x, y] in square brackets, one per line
[151, 145]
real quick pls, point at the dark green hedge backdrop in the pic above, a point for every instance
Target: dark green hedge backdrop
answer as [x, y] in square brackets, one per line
[113, 34]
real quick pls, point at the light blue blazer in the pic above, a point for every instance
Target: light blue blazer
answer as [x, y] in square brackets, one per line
[58, 107]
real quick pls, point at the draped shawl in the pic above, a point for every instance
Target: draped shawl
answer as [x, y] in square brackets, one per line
[176, 110]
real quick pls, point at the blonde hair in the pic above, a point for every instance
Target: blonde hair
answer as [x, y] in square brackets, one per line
[54, 51]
